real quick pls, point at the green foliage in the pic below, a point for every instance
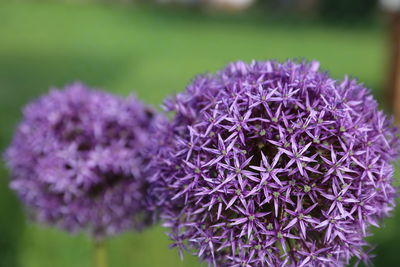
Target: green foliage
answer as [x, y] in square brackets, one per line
[344, 10]
[11, 224]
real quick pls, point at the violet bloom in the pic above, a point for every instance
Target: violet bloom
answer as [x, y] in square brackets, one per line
[275, 164]
[78, 160]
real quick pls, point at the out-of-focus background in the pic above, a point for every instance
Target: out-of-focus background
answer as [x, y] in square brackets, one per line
[153, 49]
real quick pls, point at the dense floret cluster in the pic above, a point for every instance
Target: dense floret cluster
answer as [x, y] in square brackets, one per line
[78, 160]
[275, 164]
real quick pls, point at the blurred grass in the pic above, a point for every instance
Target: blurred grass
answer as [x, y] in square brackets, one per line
[151, 52]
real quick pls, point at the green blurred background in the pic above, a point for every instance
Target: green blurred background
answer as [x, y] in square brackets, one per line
[154, 50]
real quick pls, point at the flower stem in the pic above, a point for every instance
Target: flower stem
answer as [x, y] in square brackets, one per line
[100, 253]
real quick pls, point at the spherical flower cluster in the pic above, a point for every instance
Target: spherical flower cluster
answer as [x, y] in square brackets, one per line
[275, 164]
[78, 160]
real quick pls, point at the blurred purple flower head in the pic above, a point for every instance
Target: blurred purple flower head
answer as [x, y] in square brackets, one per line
[275, 164]
[78, 160]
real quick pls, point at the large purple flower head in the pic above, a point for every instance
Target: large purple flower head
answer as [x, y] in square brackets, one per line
[78, 160]
[275, 164]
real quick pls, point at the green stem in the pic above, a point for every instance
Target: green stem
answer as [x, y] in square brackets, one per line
[100, 253]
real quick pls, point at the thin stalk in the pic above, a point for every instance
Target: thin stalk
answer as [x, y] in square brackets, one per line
[100, 253]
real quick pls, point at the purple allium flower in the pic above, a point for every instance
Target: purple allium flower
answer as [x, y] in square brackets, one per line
[78, 160]
[275, 164]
